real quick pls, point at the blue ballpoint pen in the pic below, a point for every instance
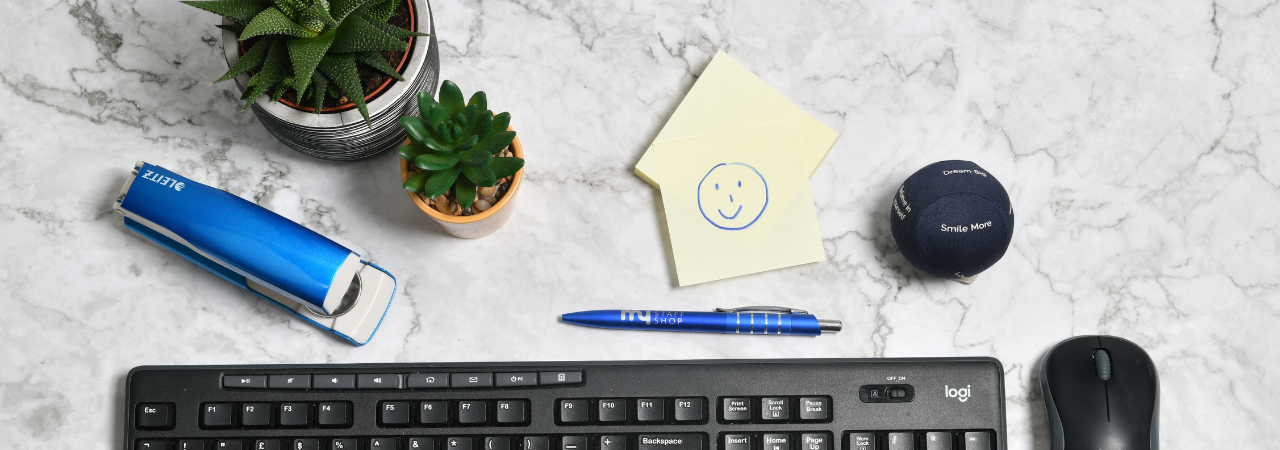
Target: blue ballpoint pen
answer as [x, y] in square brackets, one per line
[773, 320]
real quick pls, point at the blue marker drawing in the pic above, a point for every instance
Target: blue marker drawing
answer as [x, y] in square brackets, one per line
[736, 193]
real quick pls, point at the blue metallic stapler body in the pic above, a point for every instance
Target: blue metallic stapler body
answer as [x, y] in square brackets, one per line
[269, 255]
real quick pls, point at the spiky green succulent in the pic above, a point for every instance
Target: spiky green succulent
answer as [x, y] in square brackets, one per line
[455, 145]
[310, 45]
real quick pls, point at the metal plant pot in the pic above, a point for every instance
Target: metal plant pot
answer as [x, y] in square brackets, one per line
[343, 135]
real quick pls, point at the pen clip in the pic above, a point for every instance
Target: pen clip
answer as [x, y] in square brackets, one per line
[763, 309]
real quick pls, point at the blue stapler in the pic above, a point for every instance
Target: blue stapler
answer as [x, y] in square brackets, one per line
[271, 256]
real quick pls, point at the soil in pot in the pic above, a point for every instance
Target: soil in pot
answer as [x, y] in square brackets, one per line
[486, 197]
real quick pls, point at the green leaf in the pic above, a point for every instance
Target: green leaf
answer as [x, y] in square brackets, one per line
[234, 28]
[479, 100]
[415, 128]
[381, 10]
[274, 21]
[481, 175]
[376, 61]
[289, 7]
[440, 182]
[278, 90]
[424, 102]
[436, 115]
[494, 143]
[417, 182]
[436, 161]
[319, 9]
[465, 192]
[392, 30]
[342, 69]
[440, 147]
[506, 167]
[500, 123]
[251, 59]
[338, 9]
[475, 157]
[241, 11]
[320, 85]
[411, 152]
[305, 55]
[273, 70]
[357, 35]
[451, 97]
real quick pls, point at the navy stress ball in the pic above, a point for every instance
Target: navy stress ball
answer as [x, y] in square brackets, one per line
[952, 219]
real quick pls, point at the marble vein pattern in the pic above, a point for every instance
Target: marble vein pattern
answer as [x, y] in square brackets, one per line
[1139, 142]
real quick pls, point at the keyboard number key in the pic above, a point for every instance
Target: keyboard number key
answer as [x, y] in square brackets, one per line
[573, 443]
[736, 409]
[189, 444]
[497, 443]
[902, 441]
[612, 410]
[458, 443]
[228, 445]
[613, 442]
[815, 408]
[306, 444]
[266, 444]
[574, 411]
[153, 445]
[977, 440]
[422, 443]
[344, 444]
[383, 444]
[536, 443]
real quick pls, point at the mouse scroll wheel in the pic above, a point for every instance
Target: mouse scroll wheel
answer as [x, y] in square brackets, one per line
[1102, 362]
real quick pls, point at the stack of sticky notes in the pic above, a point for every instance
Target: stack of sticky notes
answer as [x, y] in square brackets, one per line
[733, 164]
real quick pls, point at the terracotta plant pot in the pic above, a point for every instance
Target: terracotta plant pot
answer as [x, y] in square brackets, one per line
[476, 225]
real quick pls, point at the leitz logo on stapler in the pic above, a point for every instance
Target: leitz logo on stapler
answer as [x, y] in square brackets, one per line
[163, 180]
[652, 317]
[961, 394]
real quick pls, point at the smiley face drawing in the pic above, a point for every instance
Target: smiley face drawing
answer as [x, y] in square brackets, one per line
[732, 196]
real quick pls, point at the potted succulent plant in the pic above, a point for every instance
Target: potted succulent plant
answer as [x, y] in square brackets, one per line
[461, 164]
[329, 78]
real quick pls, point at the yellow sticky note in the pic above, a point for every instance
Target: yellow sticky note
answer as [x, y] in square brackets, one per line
[738, 203]
[729, 97]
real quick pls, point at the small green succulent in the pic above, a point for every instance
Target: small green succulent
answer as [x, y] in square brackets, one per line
[455, 145]
[304, 44]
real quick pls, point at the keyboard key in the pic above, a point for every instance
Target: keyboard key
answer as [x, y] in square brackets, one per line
[245, 381]
[266, 444]
[902, 441]
[383, 443]
[497, 443]
[776, 441]
[344, 444]
[295, 414]
[573, 443]
[422, 443]
[670, 442]
[651, 410]
[427, 380]
[977, 440]
[434, 413]
[612, 410]
[937, 440]
[153, 445]
[513, 411]
[516, 379]
[458, 443]
[737, 442]
[815, 441]
[347, 381]
[255, 414]
[190, 444]
[814, 408]
[215, 415]
[228, 445]
[377, 381]
[574, 411]
[473, 412]
[736, 409]
[613, 442]
[536, 443]
[154, 416]
[471, 380]
[862, 441]
[545, 378]
[690, 409]
[289, 381]
[774, 408]
[334, 414]
[393, 414]
[306, 444]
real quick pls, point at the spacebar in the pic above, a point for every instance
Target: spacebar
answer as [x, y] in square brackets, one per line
[670, 442]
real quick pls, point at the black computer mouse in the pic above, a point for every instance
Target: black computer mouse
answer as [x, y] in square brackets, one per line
[1101, 393]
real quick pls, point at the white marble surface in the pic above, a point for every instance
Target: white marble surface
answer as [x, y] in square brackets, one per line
[1138, 140]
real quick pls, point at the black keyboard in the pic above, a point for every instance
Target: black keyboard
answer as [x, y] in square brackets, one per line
[815, 404]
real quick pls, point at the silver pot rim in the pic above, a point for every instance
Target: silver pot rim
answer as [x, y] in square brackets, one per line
[380, 105]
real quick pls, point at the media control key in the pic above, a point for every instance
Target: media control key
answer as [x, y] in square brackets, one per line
[154, 416]
[347, 381]
[559, 377]
[377, 381]
[245, 381]
[516, 379]
[671, 442]
[428, 380]
[289, 381]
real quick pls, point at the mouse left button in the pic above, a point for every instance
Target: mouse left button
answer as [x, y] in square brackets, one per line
[1102, 364]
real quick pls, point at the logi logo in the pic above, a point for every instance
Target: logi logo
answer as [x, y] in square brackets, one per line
[961, 394]
[643, 316]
